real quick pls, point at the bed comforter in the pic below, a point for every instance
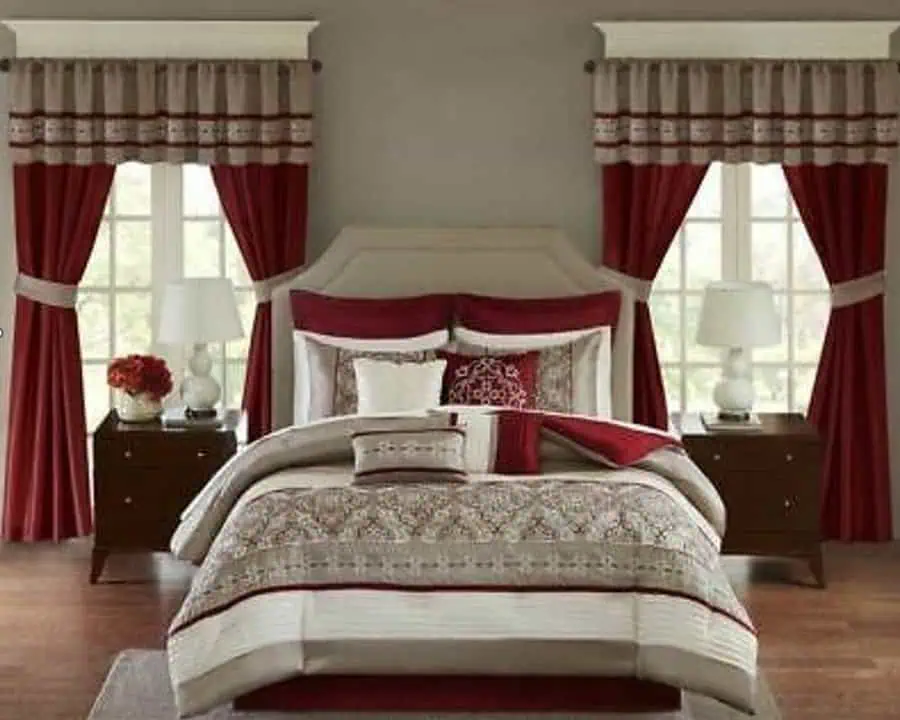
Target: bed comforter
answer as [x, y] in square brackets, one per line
[613, 549]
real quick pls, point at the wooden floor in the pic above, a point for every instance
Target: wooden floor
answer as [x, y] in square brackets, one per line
[829, 654]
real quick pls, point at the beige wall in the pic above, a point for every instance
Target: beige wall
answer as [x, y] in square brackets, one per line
[453, 111]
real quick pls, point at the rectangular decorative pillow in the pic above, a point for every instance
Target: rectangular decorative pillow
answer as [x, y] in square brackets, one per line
[381, 324]
[532, 323]
[410, 455]
[498, 380]
[384, 386]
[330, 332]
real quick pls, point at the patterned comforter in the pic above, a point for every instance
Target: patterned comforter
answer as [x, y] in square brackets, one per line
[625, 532]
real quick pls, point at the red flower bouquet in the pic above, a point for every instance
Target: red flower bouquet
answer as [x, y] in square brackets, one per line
[140, 374]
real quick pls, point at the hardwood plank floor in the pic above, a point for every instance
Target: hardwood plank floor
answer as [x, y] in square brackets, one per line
[829, 654]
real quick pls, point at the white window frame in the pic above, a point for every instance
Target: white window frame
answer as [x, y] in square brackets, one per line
[736, 220]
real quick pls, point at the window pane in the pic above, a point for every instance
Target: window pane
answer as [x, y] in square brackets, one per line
[770, 384]
[769, 195]
[696, 352]
[804, 377]
[234, 262]
[234, 384]
[669, 275]
[246, 302]
[808, 273]
[96, 394]
[699, 383]
[776, 353]
[810, 322]
[672, 382]
[703, 254]
[201, 249]
[769, 253]
[666, 313]
[93, 325]
[134, 262]
[132, 183]
[199, 191]
[97, 272]
[133, 323]
[708, 201]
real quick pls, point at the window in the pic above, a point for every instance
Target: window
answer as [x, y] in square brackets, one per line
[742, 225]
[161, 222]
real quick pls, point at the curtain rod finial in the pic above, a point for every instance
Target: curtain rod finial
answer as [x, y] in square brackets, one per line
[590, 66]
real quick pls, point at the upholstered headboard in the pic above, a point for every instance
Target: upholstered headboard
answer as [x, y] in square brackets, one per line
[504, 262]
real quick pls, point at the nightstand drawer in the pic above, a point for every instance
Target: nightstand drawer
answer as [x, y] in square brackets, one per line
[760, 503]
[750, 455]
[168, 452]
[141, 512]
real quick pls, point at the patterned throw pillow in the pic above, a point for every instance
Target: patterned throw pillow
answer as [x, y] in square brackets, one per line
[502, 380]
[410, 455]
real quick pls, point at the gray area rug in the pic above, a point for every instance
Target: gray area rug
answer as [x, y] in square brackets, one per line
[137, 688]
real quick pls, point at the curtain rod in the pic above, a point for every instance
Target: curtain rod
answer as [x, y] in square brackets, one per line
[5, 63]
[591, 65]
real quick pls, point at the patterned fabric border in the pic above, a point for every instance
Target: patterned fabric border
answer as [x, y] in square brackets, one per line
[760, 111]
[539, 535]
[172, 111]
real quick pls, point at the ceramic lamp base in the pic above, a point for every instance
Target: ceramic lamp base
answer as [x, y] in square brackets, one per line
[200, 391]
[734, 394]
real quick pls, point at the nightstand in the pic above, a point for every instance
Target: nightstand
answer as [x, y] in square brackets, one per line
[145, 474]
[769, 480]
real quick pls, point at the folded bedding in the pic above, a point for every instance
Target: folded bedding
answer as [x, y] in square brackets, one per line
[564, 545]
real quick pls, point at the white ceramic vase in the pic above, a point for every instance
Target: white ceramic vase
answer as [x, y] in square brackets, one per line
[137, 408]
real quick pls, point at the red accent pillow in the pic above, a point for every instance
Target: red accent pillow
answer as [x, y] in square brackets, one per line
[504, 380]
[366, 318]
[518, 443]
[529, 316]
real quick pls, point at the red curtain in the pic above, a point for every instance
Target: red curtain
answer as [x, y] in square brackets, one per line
[844, 210]
[267, 207]
[643, 207]
[58, 211]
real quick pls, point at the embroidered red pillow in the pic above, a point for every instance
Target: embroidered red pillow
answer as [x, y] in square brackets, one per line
[502, 380]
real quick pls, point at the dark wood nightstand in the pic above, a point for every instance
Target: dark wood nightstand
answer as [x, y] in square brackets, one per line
[769, 480]
[145, 474]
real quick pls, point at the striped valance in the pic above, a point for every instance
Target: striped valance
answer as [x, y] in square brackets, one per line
[174, 111]
[762, 111]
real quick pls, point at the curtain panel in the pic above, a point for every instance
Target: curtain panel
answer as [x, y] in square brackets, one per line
[58, 211]
[87, 112]
[761, 111]
[266, 206]
[844, 210]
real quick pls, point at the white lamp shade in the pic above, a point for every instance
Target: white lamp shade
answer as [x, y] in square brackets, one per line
[199, 310]
[738, 315]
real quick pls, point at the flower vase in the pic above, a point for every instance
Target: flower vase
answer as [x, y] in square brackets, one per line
[137, 408]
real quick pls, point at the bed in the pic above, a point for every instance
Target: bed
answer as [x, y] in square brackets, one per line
[573, 566]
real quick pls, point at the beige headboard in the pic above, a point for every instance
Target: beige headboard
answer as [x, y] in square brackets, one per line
[504, 262]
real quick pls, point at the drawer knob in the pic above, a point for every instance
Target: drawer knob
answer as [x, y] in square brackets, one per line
[717, 457]
[201, 453]
[128, 499]
[787, 503]
[128, 454]
[788, 457]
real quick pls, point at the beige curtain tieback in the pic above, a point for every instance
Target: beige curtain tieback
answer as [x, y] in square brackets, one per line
[46, 292]
[263, 288]
[857, 290]
[636, 286]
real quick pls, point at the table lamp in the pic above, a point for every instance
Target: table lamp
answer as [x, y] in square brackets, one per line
[737, 316]
[198, 311]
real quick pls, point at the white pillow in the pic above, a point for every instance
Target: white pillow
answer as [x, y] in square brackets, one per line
[384, 386]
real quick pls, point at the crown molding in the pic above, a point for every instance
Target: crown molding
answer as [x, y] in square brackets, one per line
[231, 39]
[842, 40]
